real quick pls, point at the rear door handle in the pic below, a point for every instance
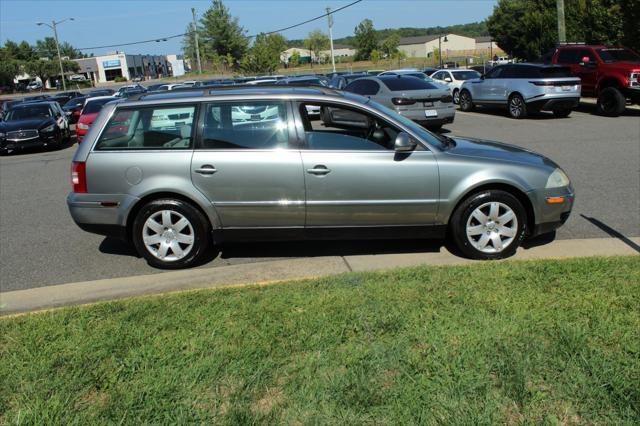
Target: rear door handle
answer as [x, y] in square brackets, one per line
[319, 170]
[206, 169]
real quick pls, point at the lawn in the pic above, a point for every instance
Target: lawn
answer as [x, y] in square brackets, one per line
[554, 342]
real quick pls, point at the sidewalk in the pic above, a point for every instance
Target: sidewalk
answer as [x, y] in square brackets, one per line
[279, 270]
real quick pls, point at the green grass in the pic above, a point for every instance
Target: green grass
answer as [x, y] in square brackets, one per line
[553, 342]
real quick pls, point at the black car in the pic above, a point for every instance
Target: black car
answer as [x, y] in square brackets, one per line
[73, 108]
[429, 70]
[101, 92]
[33, 124]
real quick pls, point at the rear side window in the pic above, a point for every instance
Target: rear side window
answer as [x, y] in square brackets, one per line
[245, 125]
[521, 71]
[166, 127]
[398, 83]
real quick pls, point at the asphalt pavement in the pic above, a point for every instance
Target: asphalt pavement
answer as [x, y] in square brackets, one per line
[41, 246]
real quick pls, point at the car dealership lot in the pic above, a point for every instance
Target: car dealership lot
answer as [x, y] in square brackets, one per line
[40, 245]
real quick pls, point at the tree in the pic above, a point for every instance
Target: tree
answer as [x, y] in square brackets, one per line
[375, 56]
[264, 55]
[365, 40]
[316, 42]
[630, 27]
[222, 34]
[294, 59]
[389, 45]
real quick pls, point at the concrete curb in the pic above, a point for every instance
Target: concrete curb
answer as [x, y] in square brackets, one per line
[279, 270]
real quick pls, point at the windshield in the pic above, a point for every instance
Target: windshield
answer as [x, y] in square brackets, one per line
[434, 139]
[93, 107]
[465, 75]
[618, 55]
[26, 113]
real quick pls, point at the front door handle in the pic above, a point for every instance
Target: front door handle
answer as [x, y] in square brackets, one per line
[206, 169]
[319, 170]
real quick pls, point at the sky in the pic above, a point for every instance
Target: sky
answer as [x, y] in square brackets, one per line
[105, 22]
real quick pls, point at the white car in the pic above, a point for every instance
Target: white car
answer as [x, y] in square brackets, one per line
[77, 77]
[34, 85]
[454, 79]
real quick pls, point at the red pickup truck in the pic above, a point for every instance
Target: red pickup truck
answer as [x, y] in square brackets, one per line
[611, 74]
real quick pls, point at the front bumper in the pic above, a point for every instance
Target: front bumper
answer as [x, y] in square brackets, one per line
[104, 214]
[549, 213]
[8, 144]
[632, 93]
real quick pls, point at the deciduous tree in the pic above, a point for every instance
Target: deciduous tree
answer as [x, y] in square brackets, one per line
[316, 42]
[365, 40]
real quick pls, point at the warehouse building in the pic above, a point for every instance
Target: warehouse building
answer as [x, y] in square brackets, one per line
[425, 46]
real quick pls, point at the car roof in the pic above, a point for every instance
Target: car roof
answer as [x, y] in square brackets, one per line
[97, 98]
[32, 103]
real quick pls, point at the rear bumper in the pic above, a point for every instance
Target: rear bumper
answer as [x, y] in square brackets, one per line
[444, 115]
[104, 214]
[546, 104]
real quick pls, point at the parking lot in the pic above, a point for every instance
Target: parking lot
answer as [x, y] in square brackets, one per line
[40, 245]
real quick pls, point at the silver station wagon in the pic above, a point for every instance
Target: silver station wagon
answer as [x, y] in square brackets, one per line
[178, 173]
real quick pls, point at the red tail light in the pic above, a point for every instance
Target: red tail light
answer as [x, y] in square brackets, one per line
[76, 113]
[403, 101]
[79, 177]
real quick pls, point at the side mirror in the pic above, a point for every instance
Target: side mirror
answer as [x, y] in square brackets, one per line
[404, 143]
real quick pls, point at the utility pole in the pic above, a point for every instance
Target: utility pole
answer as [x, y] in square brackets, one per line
[562, 35]
[53, 26]
[330, 19]
[195, 34]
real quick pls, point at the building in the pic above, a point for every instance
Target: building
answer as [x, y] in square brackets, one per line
[176, 65]
[486, 42]
[339, 51]
[425, 46]
[104, 68]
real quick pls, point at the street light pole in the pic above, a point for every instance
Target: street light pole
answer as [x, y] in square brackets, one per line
[195, 33]
[53, 26]
[330, 18]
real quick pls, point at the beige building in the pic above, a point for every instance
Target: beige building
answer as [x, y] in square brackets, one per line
[425, 46]
[339, 51]
[486, 42]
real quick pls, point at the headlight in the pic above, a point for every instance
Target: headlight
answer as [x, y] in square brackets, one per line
[82, 126]
[557, 179]
[49, 129]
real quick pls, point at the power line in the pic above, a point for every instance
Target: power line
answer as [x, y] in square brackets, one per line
[159, 39]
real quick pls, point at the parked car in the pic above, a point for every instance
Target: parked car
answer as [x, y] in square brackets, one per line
[482, 69]
[34, 85]
[307, 80]
[64, 97]
[454, 79]
[77, 77]
[419, 100]
[341, 81]
[429, 70]
[523, 89]
[611, 74]
[101, 92]
[137, 79]
[73, 108]
[368, 172]
[132, 89]
[411, 72]
[92, 106]
[32, 124]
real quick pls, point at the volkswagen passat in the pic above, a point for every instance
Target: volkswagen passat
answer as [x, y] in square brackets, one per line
[362, 171]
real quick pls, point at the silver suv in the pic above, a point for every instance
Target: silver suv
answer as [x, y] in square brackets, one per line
[523, 89]
[176, 173]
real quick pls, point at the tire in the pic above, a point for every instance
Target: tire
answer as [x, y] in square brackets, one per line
[456, 96]
[611, 103]
[192, 239]
[485, 238]
[561, 113]
[466, 103]
[516, 106]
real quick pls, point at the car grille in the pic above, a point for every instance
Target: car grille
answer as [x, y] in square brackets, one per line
[22, 134]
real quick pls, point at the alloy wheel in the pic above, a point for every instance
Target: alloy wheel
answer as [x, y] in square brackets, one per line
[516, 106]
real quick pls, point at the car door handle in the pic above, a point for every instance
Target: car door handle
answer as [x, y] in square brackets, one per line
[319, 170]
[207, 169]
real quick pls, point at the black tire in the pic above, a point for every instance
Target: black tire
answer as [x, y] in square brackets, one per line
[561, 113]
[456, 96]
[466, 102]
[200, 230]
[462, 214]
[516, 106]
[611, 103]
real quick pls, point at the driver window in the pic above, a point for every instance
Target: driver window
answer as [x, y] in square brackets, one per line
[347, 129]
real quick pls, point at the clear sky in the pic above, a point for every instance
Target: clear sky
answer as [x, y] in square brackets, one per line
[102, 22]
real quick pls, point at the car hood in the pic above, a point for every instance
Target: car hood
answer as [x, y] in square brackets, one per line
[34, 123]
[498, 151]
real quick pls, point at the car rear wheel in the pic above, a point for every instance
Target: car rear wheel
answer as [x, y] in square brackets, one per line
[561, 113]
[611, 102]
[517, 106]
[488, 225]
[170, 234]
[466, 103]
[456, 96]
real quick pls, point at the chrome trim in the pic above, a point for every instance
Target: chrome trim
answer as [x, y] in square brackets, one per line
[258, 203]
[368, 202]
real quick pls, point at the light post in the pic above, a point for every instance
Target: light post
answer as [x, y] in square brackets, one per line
[55, 34]
[330, 18]
[440, 48]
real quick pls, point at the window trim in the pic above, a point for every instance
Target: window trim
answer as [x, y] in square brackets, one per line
[118, 108]
[293, 144]
[299, 126]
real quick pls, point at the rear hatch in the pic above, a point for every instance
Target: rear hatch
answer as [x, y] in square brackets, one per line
[555, 80]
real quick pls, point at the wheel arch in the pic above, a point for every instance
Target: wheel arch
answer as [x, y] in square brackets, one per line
[609, 81]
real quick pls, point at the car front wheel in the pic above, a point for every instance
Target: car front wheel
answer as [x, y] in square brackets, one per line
[489, 225]
[456, 96]
[611, 103]
[466, 103]
[170, 234]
